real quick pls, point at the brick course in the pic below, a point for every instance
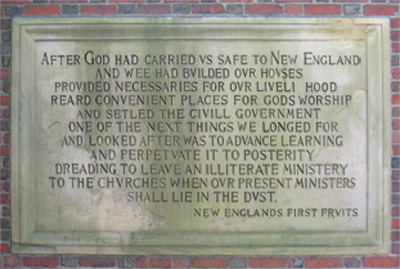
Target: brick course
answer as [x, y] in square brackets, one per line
[150, 262]
[98, 9]
[396, 224]
[294, 9]
[97, 261]
[320, 9]
[41, 261]
[12, 261]
[381, 261]
[267, 262]
[286, 8]
[210, 263]
[153, 9]
[264, 9]
[322, 262]
[42, 10]
[208, 9]
[388, 10]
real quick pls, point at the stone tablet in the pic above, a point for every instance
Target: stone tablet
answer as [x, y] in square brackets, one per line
[200, 136]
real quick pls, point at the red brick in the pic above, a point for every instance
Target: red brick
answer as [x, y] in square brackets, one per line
[396, 73]
[395, 47]
[349, 1]
[4, 199]
[127, 1]
[181, 1]
[208, 9]
[5, 174]
[5, 186]
[395, 99]
[323, 262]
[395, 248]
[396, 224]
[181, 263]
[15, 1]
[396, 124]
[396, 199]
[395, 35]
[395, 22]
[41, 261]
[154, 9]
[242, 1]
[293, 1]
[42, 10]
[395, 186]
[97, 261]
[4, 101]
[6, 86]
[388, 10]
[12, 261]
[267, 262]
[396, 111]
[396, 150]
[381, 261]
[4, 248]
[264, 9]
[322, 9]
[69, 1]
[396, 211]
[395, 236]
[99, 9]
[154, 262]
[294, 9]
[4, 150]
[7, 139]
[210, 263]
[4, 74]
[5, 113]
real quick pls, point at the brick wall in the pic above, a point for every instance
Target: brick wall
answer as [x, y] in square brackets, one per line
[285, 8]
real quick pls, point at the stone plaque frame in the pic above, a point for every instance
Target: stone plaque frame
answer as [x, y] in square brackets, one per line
[27, 239]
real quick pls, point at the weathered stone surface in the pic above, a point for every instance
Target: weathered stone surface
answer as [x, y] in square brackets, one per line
[141, 135]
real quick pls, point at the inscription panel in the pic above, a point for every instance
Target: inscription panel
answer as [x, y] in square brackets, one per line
[200, 136]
